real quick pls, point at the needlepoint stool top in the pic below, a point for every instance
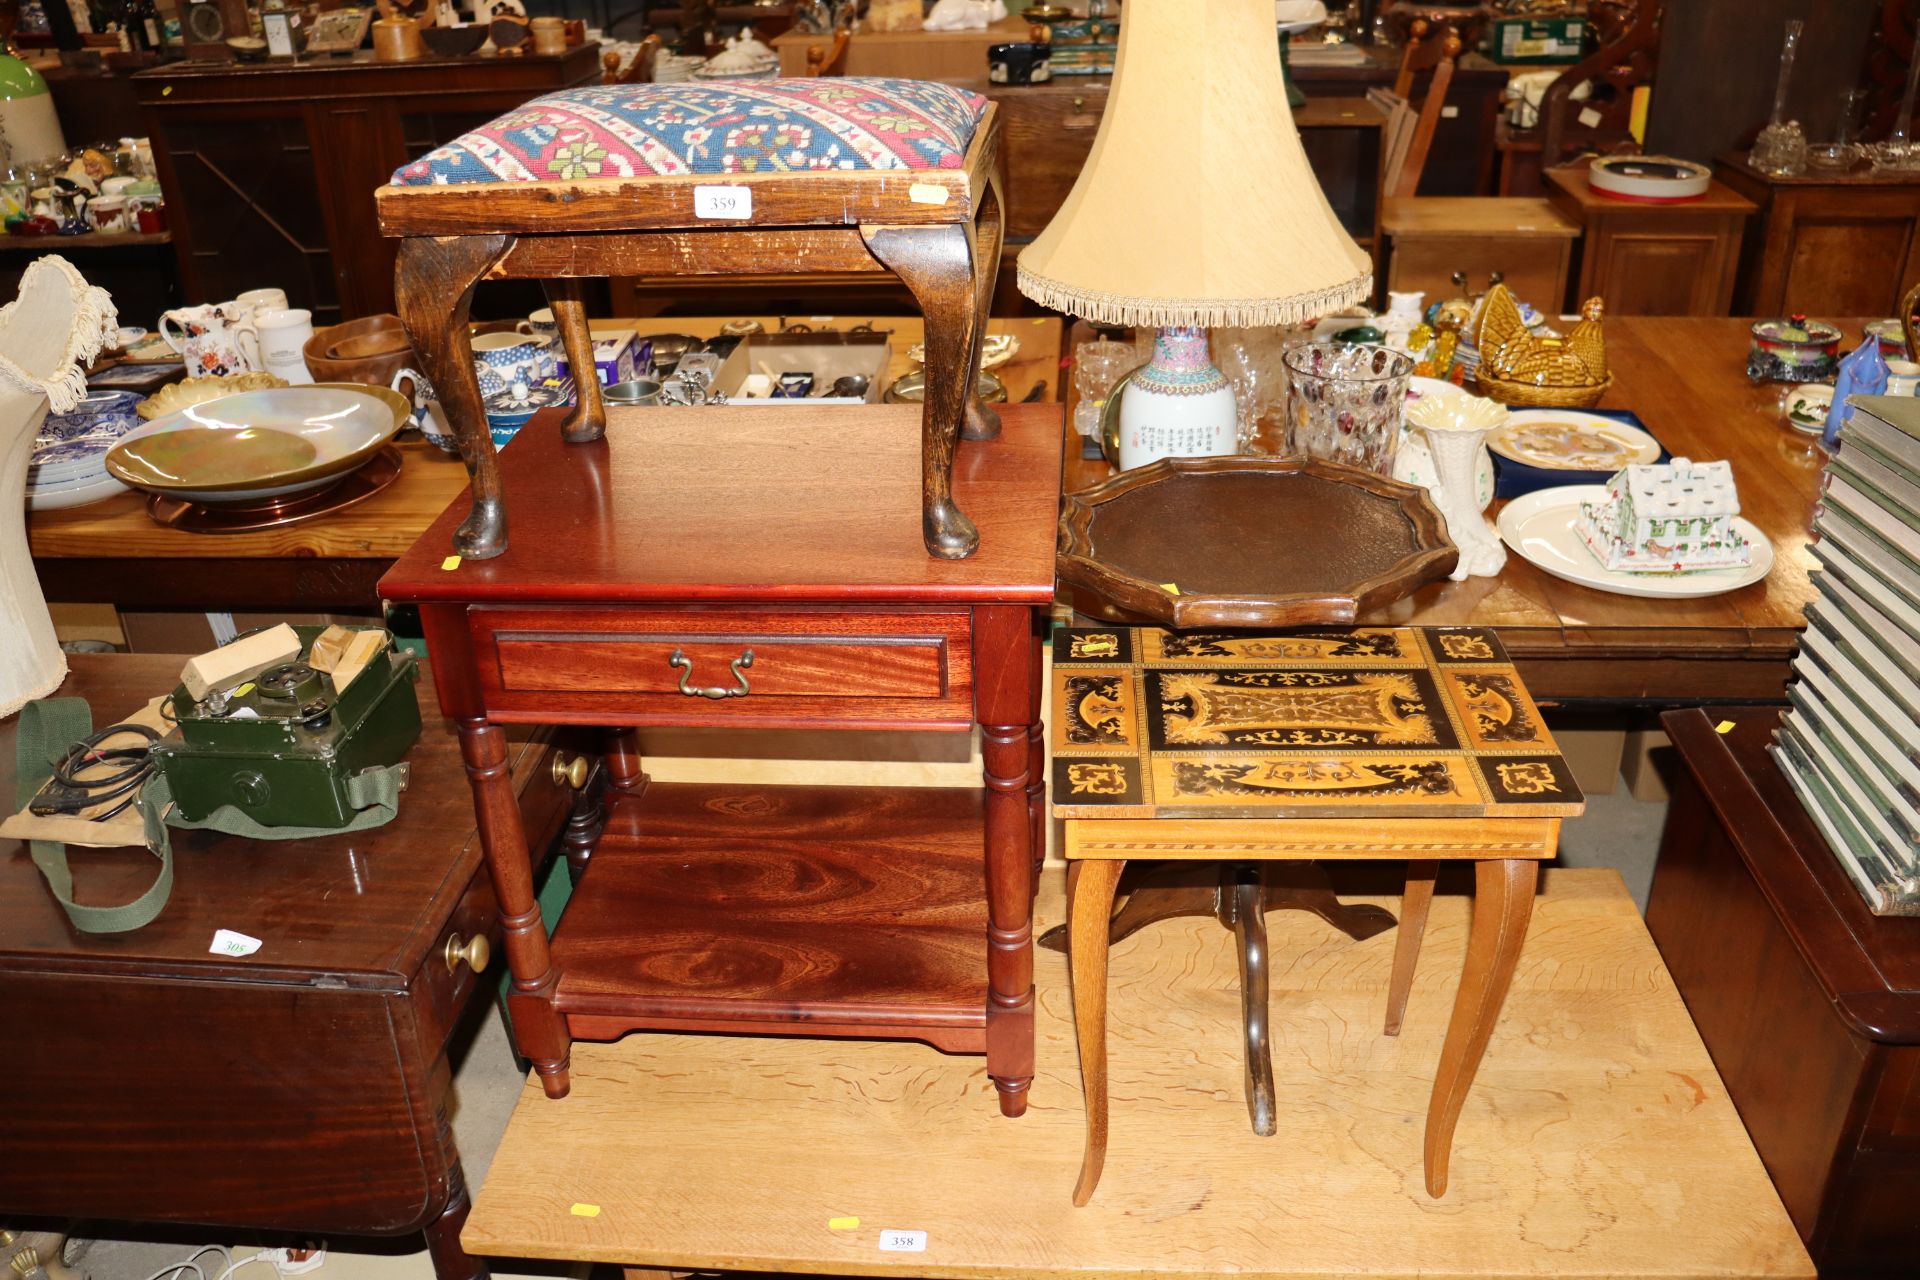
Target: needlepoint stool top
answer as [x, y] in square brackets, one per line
[1371, 722]
[720, 127]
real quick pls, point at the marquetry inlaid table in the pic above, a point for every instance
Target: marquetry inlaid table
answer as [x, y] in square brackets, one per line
[752, 569]
[1403, 743]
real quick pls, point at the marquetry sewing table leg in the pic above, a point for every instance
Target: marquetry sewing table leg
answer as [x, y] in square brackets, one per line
[539, 1030]
[1090, 885]
[1502, 906]
[1406, 947]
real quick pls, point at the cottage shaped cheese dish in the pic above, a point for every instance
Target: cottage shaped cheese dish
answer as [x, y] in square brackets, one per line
[1673, 517]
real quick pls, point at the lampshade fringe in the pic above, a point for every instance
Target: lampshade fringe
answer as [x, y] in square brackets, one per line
[1120, 309]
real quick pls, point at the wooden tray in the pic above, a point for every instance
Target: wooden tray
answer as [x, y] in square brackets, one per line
[1252, 542]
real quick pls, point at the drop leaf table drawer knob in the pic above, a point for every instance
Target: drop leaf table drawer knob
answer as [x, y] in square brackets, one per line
[474, 952]
[741, 689]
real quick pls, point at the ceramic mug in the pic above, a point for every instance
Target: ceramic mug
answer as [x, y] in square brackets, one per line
[107, 213]
[272, 338]
[258, 300]
[205, 338]
[1903, 378]
[502, 359]
[428, 415]
[540, 324]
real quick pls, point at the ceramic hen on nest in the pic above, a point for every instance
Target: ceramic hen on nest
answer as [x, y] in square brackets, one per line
[1524, 368]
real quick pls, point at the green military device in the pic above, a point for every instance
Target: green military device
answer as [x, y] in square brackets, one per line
[284, 747]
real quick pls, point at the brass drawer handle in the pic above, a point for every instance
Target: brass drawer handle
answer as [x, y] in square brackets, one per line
[573, 775]
[685, 665]
[476, 952]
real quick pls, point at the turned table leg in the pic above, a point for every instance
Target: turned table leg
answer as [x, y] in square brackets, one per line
[433, 284]
[1037, 757]
[568, 300]
[1406, 947]
[1090, 886]
[936, 264]
[1502, 905]
[1003, 654]
[539, 1030]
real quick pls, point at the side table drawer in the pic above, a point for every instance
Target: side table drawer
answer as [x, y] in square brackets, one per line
[870, 667]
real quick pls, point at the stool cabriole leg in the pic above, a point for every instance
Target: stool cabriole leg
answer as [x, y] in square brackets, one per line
[588, 421]
[1090, 885]
[937, 265]
[981, 422]
[433, 286]
[1243, 908]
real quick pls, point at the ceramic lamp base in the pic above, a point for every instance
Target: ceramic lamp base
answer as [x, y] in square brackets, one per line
[1179, 406]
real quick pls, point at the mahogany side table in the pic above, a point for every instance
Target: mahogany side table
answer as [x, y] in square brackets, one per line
[303, 1088]
[761, 568]
[1415, 744]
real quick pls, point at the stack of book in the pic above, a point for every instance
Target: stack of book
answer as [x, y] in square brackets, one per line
[1850, 745]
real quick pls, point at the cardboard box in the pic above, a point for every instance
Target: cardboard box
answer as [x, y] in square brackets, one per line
[190, 633]
[1538, 41]
[616, 355]
[826, 356]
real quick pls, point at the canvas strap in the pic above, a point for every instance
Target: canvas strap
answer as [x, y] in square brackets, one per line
[48, 727]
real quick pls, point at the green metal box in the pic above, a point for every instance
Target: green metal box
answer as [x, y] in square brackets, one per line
[1538, 41]
[282, 747]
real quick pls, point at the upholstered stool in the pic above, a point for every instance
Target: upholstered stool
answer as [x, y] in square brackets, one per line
[723, 178]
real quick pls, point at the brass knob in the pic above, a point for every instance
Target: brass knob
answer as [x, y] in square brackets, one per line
[573, 775]
[476, 952]
[1079, 104]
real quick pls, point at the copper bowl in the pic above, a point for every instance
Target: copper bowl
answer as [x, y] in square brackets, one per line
[368, 350]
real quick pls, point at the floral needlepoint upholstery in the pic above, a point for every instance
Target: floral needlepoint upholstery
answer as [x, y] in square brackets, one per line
[718, 127]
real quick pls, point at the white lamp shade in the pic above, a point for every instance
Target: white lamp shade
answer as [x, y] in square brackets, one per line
[1197, 205]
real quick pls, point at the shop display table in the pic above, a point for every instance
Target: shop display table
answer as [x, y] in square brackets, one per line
[304, 1088]
[1685, 376]
[1601, 1141]
[1416, 745]
[760, 567]
[112, 552]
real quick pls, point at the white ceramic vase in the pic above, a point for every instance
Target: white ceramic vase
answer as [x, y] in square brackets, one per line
[56, 325]
[1456, 431]
[1179, 406]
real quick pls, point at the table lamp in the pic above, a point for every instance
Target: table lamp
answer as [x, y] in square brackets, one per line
[1196, 208]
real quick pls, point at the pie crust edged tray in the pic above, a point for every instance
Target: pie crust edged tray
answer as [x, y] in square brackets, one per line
[1252, 542]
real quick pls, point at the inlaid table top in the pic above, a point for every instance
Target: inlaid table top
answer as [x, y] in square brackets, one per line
[1368, 722]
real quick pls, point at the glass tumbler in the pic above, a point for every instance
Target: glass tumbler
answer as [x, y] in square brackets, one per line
[1096, 367]
[1345, 403]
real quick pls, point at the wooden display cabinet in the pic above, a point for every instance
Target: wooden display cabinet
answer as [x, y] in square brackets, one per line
[759, 569]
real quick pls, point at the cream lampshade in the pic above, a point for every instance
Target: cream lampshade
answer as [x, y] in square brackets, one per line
[1196, 208]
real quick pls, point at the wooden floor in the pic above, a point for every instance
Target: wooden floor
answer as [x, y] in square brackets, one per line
[1597, 1142]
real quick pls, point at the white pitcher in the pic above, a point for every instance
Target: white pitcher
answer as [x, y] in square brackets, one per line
[205, 338]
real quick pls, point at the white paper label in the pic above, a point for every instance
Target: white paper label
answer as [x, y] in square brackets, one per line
[723, 202]
[228, 943]
[928, 193]
[1591, 118]
[1449, 113]
[903, 1242]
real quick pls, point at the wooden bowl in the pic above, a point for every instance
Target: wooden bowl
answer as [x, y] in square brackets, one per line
[454, 42]
[368, 350]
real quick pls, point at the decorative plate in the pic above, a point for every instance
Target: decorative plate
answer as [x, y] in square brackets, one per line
[1251, 542]
[74, 495]
[187, 392]
[1539, 527]
[260, 444]
[1567, 440]
[995, 350]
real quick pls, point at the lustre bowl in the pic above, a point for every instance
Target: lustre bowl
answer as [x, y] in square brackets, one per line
[245, 448]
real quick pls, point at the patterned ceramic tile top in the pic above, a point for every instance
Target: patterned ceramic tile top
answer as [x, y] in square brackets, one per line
[1329, 723]
[718, 127]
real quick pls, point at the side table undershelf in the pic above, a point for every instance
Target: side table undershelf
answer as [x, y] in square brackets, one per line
[762, 568]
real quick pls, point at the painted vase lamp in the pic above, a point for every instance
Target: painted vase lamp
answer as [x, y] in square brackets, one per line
[1179, 406]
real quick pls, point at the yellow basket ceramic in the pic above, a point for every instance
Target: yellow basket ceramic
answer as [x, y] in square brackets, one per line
[1524, 395]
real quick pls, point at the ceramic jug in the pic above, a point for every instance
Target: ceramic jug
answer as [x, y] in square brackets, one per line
[428, 416]
[205, 338]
